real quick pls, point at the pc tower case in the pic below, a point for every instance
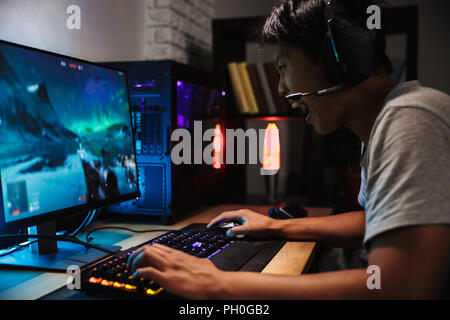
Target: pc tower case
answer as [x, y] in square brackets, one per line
[166, 96]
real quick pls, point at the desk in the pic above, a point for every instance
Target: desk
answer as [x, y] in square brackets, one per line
[27, 285]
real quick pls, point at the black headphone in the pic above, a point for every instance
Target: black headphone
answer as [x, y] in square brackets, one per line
[348, 51]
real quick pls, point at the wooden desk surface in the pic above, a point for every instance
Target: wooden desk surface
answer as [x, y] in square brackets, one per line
[291, 259]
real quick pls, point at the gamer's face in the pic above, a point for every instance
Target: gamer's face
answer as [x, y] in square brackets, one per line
[300, 74]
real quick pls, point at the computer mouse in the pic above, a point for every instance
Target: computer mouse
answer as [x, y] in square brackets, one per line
[227, 224]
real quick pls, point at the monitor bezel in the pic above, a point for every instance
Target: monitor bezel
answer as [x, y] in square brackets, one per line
[84, 208]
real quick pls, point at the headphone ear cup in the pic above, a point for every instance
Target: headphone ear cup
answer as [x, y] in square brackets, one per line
[332, 66]
[356, 52]
[354, 44]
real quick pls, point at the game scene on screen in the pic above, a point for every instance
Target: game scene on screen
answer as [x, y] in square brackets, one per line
[65, 130]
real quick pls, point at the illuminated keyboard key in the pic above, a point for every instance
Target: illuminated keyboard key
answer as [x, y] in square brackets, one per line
[118, 285]
[95, 280]
[152, 292]
[107, 283]
[129, 287]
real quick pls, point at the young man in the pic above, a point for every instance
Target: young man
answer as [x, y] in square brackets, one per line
[406, 176]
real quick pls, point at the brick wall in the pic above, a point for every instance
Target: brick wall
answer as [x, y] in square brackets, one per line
[180, 30]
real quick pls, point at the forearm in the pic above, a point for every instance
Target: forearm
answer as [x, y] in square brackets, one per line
[349, 284]
[343, 230]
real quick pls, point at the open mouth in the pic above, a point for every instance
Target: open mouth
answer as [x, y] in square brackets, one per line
[306, 112]
[304, 109]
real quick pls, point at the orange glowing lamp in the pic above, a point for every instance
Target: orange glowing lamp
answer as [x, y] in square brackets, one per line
[218, 147]
[271, 149]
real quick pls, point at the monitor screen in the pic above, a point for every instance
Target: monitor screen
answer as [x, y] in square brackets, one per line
[66, 136]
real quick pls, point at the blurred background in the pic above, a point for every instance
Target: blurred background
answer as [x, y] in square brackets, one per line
[318, 170]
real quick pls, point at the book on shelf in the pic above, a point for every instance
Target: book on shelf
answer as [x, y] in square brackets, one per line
[238, 88]
[271, 108]
[255, 87]
[248, 88]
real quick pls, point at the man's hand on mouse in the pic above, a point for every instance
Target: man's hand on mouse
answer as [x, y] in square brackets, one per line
[176, 271]
[254, 224]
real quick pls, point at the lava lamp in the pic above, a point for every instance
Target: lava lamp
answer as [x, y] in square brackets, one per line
[271, 161]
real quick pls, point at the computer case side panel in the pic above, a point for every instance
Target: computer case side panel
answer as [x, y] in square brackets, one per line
[166, 96]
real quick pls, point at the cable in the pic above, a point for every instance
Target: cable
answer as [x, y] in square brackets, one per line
[94, 215]
[69, 238]
[89, 239]
[87, 221]
[58, 238]
[6, 251]
[16, 248]
[81, 226]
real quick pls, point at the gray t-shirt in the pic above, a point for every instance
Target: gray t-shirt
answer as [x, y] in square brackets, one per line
[406, 164]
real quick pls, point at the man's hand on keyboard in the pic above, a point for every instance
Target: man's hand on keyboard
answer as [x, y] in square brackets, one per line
[176, 271]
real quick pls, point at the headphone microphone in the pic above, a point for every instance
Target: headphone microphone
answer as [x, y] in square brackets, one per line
[318, 93]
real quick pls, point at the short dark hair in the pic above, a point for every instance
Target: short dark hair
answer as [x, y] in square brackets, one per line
[301, 23]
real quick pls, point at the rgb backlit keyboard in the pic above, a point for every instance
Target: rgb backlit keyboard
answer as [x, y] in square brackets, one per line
[112, 275]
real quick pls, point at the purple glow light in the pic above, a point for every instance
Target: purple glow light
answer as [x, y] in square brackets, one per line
[224, 93]
[180, 121]
[139, 85]
[179, 83]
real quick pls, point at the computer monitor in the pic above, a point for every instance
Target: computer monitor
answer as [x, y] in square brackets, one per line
[67, 145]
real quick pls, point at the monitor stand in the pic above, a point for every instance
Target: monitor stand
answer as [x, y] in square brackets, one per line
[52, 255]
